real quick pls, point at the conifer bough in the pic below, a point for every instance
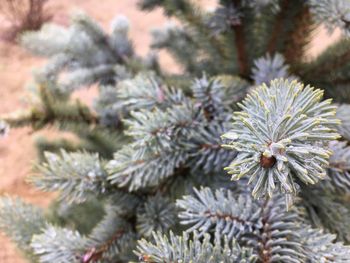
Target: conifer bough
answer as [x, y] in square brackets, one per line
[281, 137]
[152, 137]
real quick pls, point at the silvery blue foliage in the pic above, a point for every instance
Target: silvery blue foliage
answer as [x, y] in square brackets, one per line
[227, 214]
[119, 36]
[334, 14]
[338, 174]
[183, 249]
[263, 225]
[112, 237]
[323, 248]
[157, 214]
[108, 241]
[20, 221]
[280, 136]
[164, 129]
[206, 151]
[209, 94]
[146, 92]
[217, 96]
[139, 168]
[83, 53]
[77, 176]
[268, 68]
[344, 116]
[49, 247]
[223, 18]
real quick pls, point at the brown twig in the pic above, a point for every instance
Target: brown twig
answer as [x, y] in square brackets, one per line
[238, 30]
[95, 254]
[278, 27]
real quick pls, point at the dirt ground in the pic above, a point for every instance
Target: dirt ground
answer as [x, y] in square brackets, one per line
[16, 151]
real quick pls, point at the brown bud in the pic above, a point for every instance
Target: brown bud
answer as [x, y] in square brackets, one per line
[267, 162]
[145, 258]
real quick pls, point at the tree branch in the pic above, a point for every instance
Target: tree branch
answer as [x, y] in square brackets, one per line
[238, 31]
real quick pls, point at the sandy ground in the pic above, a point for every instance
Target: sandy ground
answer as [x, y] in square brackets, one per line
[16, 151]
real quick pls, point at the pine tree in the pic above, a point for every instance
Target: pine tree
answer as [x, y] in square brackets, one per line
[243, 157]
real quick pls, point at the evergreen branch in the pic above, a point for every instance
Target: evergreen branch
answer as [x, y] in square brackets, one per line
[102, 140]
[105, 105]
[270, 147]
[207, 154]
[282, 139]
[163, 130]
[224, 18]
[230, 216]
[338, 179]
[278, 237]
[51, 112]
[192, 16]
[84, 52]
[180, 44]
[343, 116]
[87, 76]
[58, 245]
[119, 39]
[52, 38]
[322, 247]
[334, 14]
[209, 94]
[234, 88]
[44, 145]
[20, 221]
[157, 214]
[182, 249]
[324, 209]
[217, 96]
[145, 92]
[82, 217]
[107, 242]
[137, 168]
[264, 226]
[110, 239]
[269, 68]
[76, 175]
[85, 24]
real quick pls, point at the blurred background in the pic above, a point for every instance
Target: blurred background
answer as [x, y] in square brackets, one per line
[17, 152]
